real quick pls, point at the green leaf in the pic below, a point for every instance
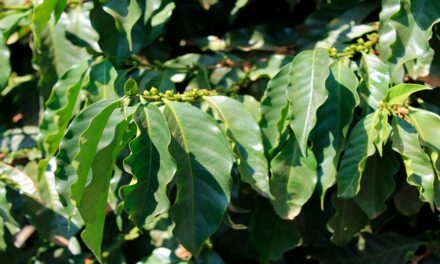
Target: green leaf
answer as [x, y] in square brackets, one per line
[131, 88]
[152, 166]
[360, 147]
[397, 95]
[347, 221]
[156, 14]
[102, 78]
[377, 183]
[306, 92]
[4, 62]
[41, 16]
[66, 172]
[375, 80]
[57, 53]
[244, 131]
[102, 140]
[427, 125]
[203, 173]
[383, 129]
[417, 163]
[293, 179]
[60, 107]
[384, 248]
[126, 13]
[271, 235]
[274, 109]
[334, 118]
[406, 30]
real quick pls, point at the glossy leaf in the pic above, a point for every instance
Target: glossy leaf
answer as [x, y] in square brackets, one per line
[203, 173]
[417, 163]
[41, 16]
[274, 109]
[156, 14]
[377, 183]
[101, 81]
[244, 131]
[347, 221]
[360, 146]
[57, 53]
[375, 80]
[66, 159]
[92, 200]
[407, 31]
[60, 107]
[276, 237]
[293, 179]
[125, 13]
[427, 125]
[397, 95]
[152, 166]
[334, 118]
[306, 92]
[4, 62]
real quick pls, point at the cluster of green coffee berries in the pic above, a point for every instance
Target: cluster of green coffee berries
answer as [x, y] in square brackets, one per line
[153, 95]
[361, 45]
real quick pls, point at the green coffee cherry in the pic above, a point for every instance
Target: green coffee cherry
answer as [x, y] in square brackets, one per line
[146, 93]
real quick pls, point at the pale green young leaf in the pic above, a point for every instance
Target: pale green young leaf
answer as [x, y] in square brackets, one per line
[397, 95]
[244, 131]
[306, 92]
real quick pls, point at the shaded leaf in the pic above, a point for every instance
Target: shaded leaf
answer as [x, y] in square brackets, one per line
[347, 221]
[377, 183]
[276, 237]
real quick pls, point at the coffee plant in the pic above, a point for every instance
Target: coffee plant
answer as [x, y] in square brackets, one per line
[246, 131]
